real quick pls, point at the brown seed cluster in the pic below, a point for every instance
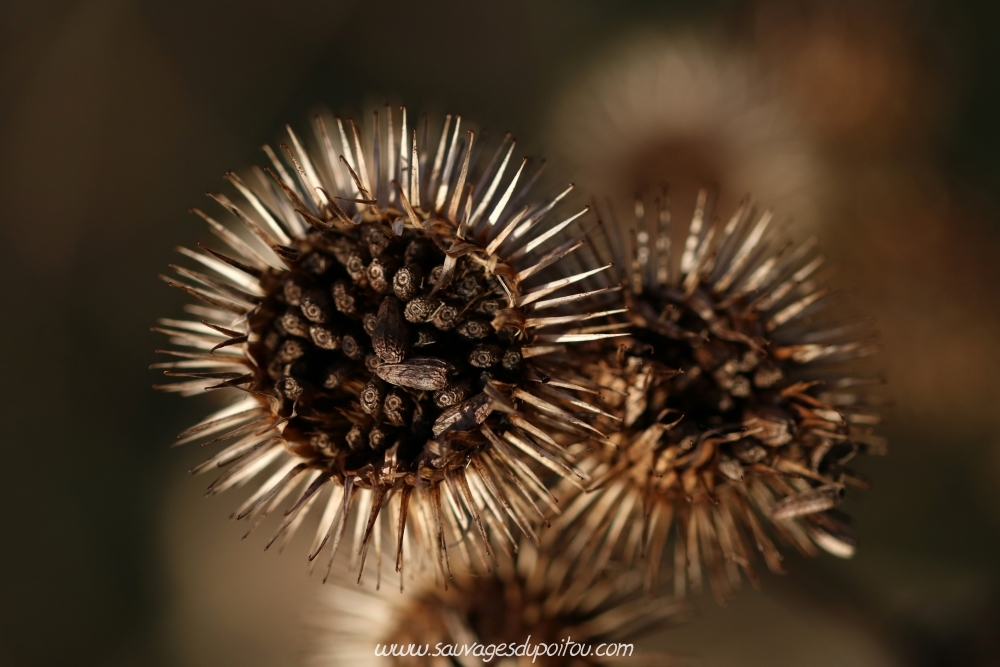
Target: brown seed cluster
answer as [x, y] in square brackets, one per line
[738, 418]
[372, 355]
[712, 367]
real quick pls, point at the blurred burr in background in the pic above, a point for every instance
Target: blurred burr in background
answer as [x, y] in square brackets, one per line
[690, 110]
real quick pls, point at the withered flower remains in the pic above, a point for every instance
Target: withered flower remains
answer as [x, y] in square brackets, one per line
[381, 320]
[530, 611]
[738, 412]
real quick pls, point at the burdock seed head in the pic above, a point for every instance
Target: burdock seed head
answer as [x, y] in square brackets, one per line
[377, 317]
[739, 416]
[529, 611]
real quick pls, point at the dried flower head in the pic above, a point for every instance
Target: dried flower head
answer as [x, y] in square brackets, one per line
[737, 412]
[380, 321]
[689, 109]
[529, 601]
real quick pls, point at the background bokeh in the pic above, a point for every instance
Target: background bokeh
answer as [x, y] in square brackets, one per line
[870, 123]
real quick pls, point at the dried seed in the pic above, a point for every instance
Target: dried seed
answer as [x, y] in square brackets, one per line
[397, 407]
[356, 268]
[379, 437]
[293, 290]
[376, 239]
[484, 356]
[407, 281]
[380, 274]
[474, 329]
[372, 396]
[353, 347]
[290, 387]
[322, 443]
[435, 275]
[467, 288]
[324, 338]
[293, 322]
[290, 350]
[420, 309]
[372, 362]
[344, 298]
[368, 322]
[512, 360]
[807, 502]
[489, 306]
[445, 318]
[315, 305]
[464, 416]
[451, 395]
[424, 373]
[390, 339]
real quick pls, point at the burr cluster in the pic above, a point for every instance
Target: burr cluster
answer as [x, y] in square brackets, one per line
[684, 402]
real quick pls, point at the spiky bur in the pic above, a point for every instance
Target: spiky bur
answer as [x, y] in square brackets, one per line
[531, 598]
[381, 320]
[740, 410]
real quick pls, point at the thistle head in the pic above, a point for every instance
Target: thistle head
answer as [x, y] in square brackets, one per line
[380, 324]
[530, 605]
[740, 415]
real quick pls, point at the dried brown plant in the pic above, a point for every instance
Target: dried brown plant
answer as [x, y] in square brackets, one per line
[528, 601]
[381, 328]
[740, 410]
